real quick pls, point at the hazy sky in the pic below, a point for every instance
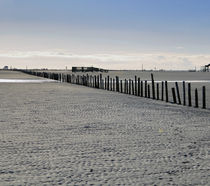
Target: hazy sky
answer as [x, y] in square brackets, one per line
[114, 34]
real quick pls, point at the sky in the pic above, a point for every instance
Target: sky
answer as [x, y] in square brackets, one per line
[112, 34]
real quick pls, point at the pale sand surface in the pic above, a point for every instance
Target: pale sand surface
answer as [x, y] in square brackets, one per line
[58, 133]
[15, 75]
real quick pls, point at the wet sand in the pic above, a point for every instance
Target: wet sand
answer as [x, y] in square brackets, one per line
[58, 133]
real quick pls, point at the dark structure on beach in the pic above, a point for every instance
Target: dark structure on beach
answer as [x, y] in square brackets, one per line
[6, 68]
[88, 69]
[206, 68]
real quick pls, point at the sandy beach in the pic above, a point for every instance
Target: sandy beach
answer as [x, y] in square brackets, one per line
[62, 134]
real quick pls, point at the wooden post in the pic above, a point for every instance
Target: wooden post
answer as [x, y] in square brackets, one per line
[178, 95]
[145, 89]
[98, 81]
[196, 98]
[77, 79]
[85, 77]
[113, 84]
[117, 84]
[90, 81]
[173, 94]
[95, 81]
[166, 90]
[148, 91]
[71, 78]
[133, 91]
[121, 86]
[125, 87]
[189, 95]
[102, 83]
[139, 87]
[184, 93]
[142, 89]
[110, 84]
[107, 82]
[83, 80]
[157, 91]
[136, 92]
[153, 87]
[204, 97]
[129, 86]
[87, 80]
[67, 78]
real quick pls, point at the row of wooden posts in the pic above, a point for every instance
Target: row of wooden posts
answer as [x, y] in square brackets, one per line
[135, 87]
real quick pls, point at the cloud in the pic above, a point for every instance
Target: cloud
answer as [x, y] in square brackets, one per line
[120, 61]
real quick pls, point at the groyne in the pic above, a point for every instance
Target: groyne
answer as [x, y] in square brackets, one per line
[143, 88]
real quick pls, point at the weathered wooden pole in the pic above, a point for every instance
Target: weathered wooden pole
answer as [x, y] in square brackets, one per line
[77, 79]
[142, 89]
[145, 89]
[117, 84]
[67, 78]
[125, 87]
[113, 84]
[153, 87]
[83, 80]
[148, 91]
[121, 86]
[184, 93]
[110, 84]
[100, 83]
[133, 91]
[90, 81]
[129, 86]
[189, 95]
[166, 90]
[177, 91]
[139, 87]
[196, 98]
[173, 94]
[204, 97]
[107, 82]
[86, 80]
[70, 78]
[157, 91]
[136, 92]
[95, 81]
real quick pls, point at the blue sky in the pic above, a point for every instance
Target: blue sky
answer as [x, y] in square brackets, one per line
[122, 34]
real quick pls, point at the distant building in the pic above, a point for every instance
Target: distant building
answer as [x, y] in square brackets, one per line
[88, 69]
[206, 68]
[5, 68]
